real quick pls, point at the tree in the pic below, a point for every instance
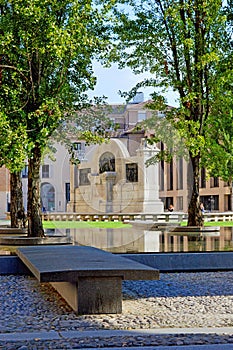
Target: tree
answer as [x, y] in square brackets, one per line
[46, 57]
[90, 124]
[220, 155]
[13, 141]
[183, 44]
[219, 145]
[13, 152]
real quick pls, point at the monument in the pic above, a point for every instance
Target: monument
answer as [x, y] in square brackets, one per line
[113, 179]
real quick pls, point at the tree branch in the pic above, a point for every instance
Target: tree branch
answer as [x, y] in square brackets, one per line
[2, 66]
[172, 40]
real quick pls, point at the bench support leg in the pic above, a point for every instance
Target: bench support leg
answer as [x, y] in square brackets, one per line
[92, 295]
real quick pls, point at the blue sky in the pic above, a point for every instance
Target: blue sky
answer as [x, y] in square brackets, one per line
[111, 80]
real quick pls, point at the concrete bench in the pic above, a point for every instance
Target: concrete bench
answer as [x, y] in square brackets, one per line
[89, 279]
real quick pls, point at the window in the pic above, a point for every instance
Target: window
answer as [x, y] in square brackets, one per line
[170, 176]
[210, 202]
[179, 184]
[83, 176]
[179, 203]
[214, 200]
[161, 175]
[132, 172]
[77, 146]
[106, 162]
[214, 182]
[78, 150]
[67, 191]
[161, 170]
[24, 172]
[47, 196]
[168, 201]
[227, 202]
[45, 171]
[141, 116]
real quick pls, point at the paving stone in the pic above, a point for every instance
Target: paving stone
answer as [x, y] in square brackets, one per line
[181, 300]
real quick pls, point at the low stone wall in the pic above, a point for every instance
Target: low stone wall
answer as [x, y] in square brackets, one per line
[12, 265]
[186, 262]
[164, 217]
[123, 217]
[164, 262]
[167, 217]
[228, 216]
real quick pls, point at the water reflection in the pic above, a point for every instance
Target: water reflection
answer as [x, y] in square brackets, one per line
[131, 240]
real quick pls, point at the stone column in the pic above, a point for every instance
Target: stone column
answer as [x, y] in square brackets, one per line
[71, 206]
[151, 241]
[110, 178]
[151, 201]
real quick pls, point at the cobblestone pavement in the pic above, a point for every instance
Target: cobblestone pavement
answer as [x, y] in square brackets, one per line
[181, 300]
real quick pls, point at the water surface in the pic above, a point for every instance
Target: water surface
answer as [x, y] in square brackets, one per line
[131, 240]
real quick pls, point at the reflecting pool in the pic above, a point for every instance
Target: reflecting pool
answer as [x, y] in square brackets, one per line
[131, 240]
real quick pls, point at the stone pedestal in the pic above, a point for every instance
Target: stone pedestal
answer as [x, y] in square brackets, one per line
[109, 178]
[151, 201]
[92, 295]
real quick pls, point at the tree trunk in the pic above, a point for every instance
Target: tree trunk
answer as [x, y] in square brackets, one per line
[17, 212]
[231, 193]
[35, 227]
[195, 216]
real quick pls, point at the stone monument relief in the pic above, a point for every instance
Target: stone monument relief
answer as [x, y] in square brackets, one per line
[112, 181]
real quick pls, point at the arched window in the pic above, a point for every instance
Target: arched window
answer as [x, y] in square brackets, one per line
[47, 196]
[106, 162]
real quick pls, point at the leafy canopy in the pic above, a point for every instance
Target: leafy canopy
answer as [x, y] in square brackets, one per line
[46, 55]
[184, 45]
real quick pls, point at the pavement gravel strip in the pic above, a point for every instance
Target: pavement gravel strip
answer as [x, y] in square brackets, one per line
[180, 309]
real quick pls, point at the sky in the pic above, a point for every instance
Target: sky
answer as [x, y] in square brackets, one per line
[111, 80]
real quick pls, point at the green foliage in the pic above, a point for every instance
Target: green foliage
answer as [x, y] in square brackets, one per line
[88, 123]
[47, 49]
[220, 143]
[46, 69]
[13, 145]
[46, 53]
[184, 45]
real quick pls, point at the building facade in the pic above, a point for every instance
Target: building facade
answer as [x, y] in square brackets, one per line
[4, 192]
[113, 176]
[173, 179]
[215, 194]
[55, 181]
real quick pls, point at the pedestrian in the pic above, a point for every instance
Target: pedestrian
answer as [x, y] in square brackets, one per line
[202, 208]
[171, 208]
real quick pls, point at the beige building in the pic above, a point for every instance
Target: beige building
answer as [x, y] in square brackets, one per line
[55, 181]
[131, 187]
[4, 192]
[89, 182]
[215, 194]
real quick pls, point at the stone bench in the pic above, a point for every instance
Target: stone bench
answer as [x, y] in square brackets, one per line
[89, 279]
